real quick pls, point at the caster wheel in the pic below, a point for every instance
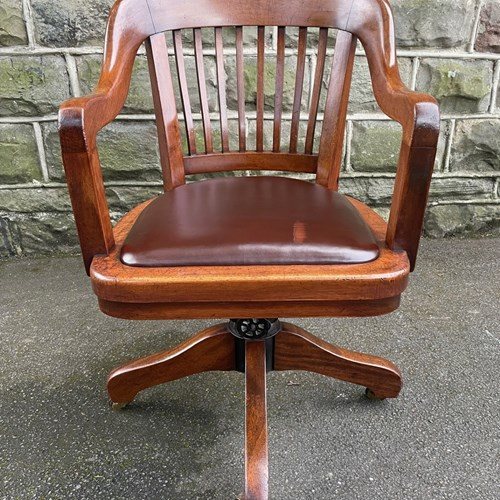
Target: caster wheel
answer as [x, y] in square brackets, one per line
[371, 395]
[118, 406]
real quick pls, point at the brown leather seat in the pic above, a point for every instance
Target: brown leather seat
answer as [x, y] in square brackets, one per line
[249, 221]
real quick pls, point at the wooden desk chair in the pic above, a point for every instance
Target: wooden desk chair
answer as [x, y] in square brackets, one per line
[250, 248]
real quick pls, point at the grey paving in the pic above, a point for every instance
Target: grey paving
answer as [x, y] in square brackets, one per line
[183, 440]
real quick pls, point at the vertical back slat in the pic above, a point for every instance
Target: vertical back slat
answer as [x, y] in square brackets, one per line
[260, 88]
[169, 137]
[202, 88]
[332, 135]
[299, 83]
[316, 91]
[221, 86]
[183, 85]
[278, 92]
[240, 83]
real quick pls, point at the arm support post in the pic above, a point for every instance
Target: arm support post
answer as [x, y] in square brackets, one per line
[372, 21]
[80, 120]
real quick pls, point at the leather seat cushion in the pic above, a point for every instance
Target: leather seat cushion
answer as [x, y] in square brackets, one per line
[249, 221]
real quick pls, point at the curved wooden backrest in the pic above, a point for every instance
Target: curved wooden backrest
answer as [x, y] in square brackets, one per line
[292, 157]
[133, 21]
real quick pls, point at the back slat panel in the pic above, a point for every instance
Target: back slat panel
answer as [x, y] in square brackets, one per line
[260, 88]
[221, 87]
[299, 83]
[202, 88]
[278, 92]
[332, 136]
[330, 154]
[240, 83]
[316, 90]
[183, 85]
[169, 137]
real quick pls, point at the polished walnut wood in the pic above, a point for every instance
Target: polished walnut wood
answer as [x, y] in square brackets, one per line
[183, 86]
[260, 89]
[299, 84]
[259, 291]
[316, 90]
[278, 91]
[134, 21]
[209, 350]
[296, 349]
[256, 448]
[169, 137]
[214, 349]
[332, 136]
[311, 290]
[240, 83]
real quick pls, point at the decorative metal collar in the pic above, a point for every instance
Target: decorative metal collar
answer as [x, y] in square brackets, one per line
[254, 328]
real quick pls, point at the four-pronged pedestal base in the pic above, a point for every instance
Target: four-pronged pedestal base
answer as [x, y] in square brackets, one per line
[255, 346]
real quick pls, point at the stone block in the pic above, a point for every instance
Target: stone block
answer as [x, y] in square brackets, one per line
[35, 200]
[31, 85]
[139, 98]
[449, 188]
[488, 37]
[476, 146]
[128, 151]
[211, 83]
[12, 27]
[52, 151]
[122, 199]
[47, 233]
[497, 104]
[459, 86]
[10, 238]
[361, 99]
[268, 135]
[70, 23]
[375, 146]
[250, 69]
[19, 162]
[370, 190]
[462, 220]
[431, 23]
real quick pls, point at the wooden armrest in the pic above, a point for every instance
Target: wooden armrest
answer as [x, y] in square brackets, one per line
[80, 119]
[419, 116]
[420, 123]
[372, 21]
[79, 122]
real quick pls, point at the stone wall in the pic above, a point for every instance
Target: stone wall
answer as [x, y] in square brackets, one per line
[50, 51]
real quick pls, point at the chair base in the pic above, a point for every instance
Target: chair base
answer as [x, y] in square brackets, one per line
[255, 346]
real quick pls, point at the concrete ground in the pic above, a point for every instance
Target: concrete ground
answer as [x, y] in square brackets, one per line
[184, 440]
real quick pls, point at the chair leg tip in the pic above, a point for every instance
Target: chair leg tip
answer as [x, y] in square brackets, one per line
[119, 406]
[372, 396]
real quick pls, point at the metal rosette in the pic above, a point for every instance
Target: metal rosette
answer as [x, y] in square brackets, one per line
[254, 328]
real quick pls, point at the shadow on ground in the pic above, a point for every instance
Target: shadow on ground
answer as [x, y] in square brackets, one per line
[184, 440]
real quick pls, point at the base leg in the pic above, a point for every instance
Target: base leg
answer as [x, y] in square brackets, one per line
[256, 454]
[212, 349]
[296, 349]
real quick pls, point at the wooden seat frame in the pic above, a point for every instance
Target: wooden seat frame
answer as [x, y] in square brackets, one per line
[258, 292]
